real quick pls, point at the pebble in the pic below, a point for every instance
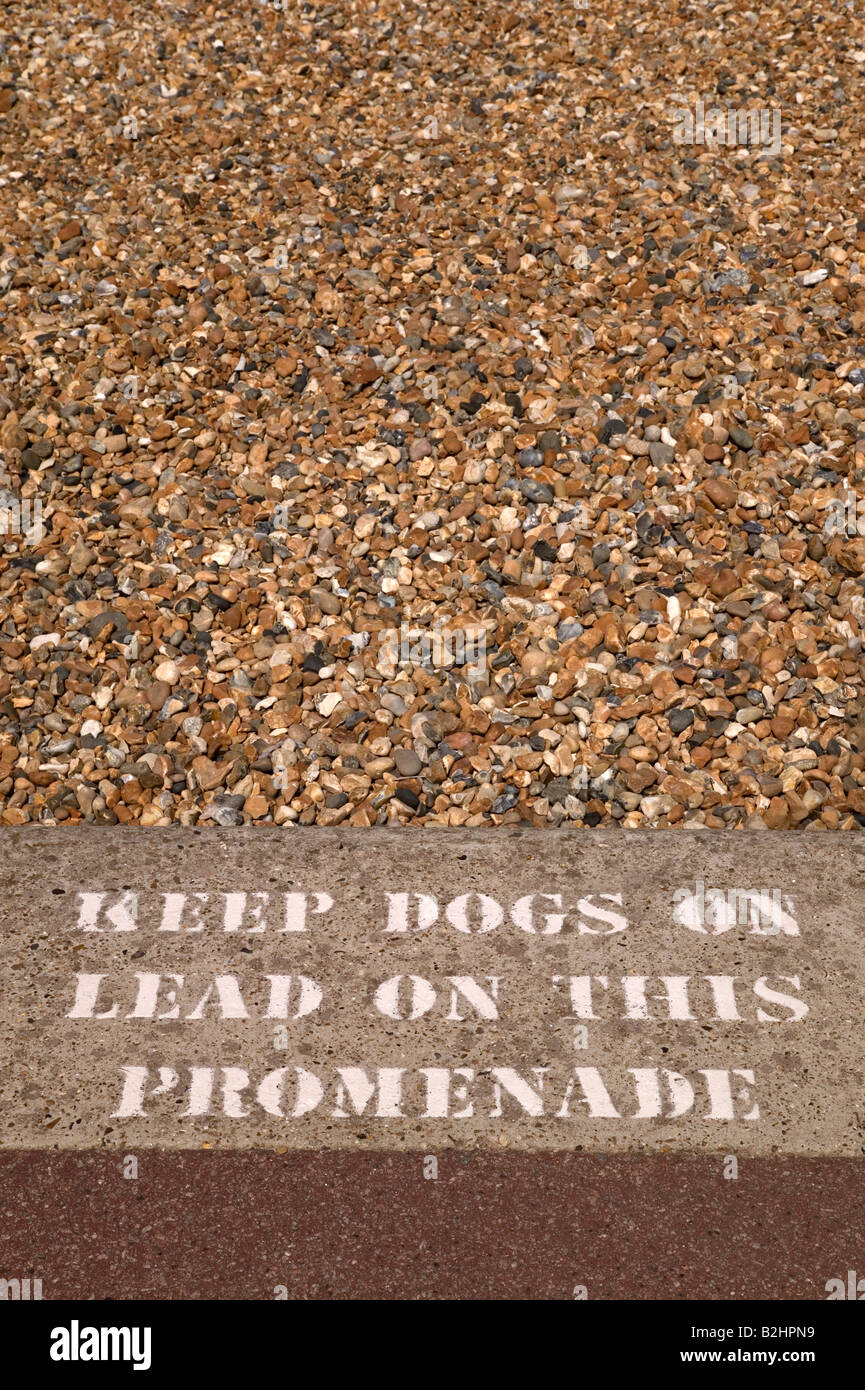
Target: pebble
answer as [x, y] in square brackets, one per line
[408, 763]
[741, 437]
[326, 704]
[535, 492]
[661, 454]
[721, 492]
[680, 719]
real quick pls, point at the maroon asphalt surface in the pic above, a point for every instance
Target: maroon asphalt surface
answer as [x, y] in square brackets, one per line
[335, 1225]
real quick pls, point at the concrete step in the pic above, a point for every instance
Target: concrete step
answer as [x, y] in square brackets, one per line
[518, 990]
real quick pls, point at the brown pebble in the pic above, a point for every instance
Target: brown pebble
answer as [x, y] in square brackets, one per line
[719, 491]
[158, 693]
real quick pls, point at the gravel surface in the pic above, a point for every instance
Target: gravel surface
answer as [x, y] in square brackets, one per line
[402, 421]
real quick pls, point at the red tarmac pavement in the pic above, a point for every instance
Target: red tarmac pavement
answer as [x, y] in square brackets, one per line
[338, 1225]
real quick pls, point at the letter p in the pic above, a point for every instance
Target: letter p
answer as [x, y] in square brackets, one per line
[135, 1086]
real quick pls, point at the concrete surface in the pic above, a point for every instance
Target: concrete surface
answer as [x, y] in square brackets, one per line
[763, 1053]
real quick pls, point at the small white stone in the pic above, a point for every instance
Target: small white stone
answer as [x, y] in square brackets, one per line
[45, 639]
[167, 671]
[326, 704]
